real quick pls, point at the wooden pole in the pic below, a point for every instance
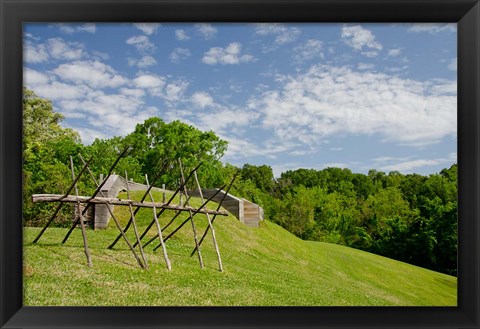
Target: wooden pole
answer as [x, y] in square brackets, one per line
[96, 191]
[200, 260]
[220, 266]
[122, 202]
[168, 202]
[195, 212]
[61, 203]
[160, 237]
[115, 220]
[218, 208]
[165, 227]
[159, 173]
[132, 217]
[82, 224]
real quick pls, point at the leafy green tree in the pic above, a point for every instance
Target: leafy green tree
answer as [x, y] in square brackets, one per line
[155, 141]
[261, 176]
[47, 148]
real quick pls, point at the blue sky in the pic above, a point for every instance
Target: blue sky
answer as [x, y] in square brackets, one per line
[358, 96]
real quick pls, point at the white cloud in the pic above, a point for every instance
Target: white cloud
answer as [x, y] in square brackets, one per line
[227, 55]
[328, 101]
[147, 28]
[394, 52]
[59, 49]
[141, 42]
[46, 86]
[100, 55]
[33, 53]
[433, 27]
[89, 135]
[202, 99]
[112, 114]
[153, 83]
[149, 81]
[88, 27]
[75, 28]
[61, 91]
[92, 73]
[282, 33]
[370, 54]
[174, 91]
[408, 165]
[224, 118]
[312, 49]
[207, 31]
[34, 78]
[365, 66]
[243, 148]
[137, 93]
[181, 35]
[358, 38]
[179, 54]
[453, 64]
[143, 62]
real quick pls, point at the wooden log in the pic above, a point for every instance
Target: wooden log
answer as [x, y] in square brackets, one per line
[80, 214]
[169, 201]
[166, 226]
[195, 238]
[116, 221]
[196, 212]
[160, 237]
[159, 173]
[97, 190]
[217, 250]
[132, 218]
[218, 208]
[123, 202]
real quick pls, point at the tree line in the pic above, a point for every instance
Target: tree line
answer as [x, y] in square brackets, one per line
[412, 218]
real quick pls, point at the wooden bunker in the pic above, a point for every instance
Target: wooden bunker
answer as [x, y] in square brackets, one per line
[114, 185]
[247, 212]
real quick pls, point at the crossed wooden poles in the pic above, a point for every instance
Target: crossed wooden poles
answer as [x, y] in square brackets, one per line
[163, 206]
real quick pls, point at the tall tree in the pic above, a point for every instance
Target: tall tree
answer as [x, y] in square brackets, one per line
[155, 141]
[47, 147]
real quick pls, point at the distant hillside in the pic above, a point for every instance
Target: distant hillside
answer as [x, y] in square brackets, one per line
[262, 266]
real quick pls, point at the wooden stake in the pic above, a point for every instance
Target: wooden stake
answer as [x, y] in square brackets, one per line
[168, 202]
[132, 217]
[80, 215]
[218, 208]
[220, 266]
[191, 217]
[61, 203]
[200, 209]
[165, 227]
[165, 165]
[116, 222]
[160, 237]
[96, 191]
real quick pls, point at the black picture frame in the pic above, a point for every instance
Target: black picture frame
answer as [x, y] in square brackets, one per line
[13, 13]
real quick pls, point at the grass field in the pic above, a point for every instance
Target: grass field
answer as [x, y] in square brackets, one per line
[262, 267]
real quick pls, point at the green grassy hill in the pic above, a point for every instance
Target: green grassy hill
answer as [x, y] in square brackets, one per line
[262, 266]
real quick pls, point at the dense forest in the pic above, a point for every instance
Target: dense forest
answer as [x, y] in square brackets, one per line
[412, 218]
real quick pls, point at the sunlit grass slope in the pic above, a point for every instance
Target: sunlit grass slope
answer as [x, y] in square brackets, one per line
[262, 266]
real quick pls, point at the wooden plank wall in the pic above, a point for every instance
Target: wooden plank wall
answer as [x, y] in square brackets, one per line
[252, 214]
[247, 212]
